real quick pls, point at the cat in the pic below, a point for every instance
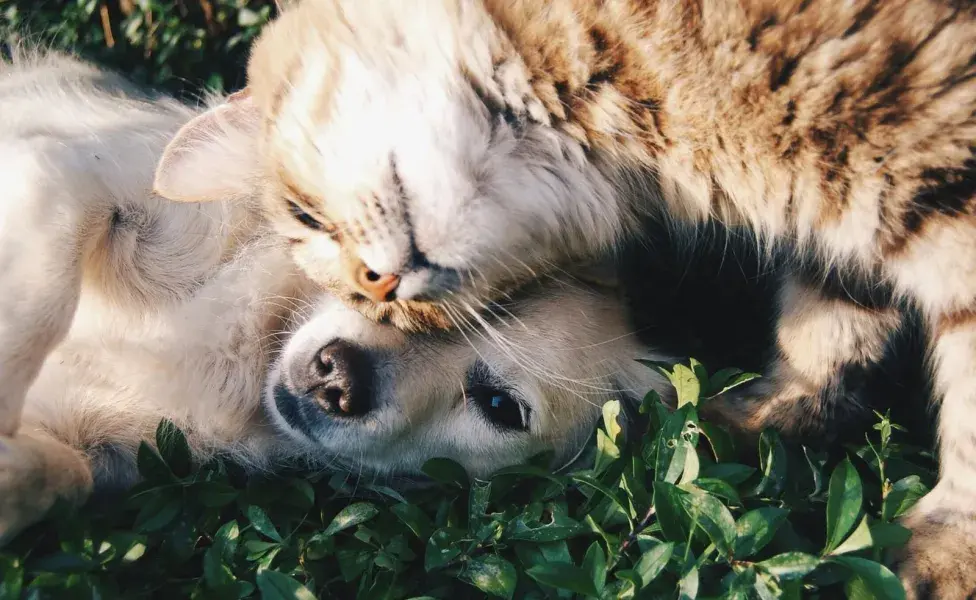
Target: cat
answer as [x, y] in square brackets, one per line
[432, 156]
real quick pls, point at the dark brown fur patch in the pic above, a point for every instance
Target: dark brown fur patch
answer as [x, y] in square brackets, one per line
[862, 18]
[781, 70]
[943, 191]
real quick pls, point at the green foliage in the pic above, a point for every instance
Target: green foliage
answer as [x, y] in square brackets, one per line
[181, 46]
[664, 514]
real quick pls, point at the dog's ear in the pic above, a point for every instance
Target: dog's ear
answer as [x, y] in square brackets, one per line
[602, 272]
[214, 156]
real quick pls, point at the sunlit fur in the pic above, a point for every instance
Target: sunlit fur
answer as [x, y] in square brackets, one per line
[470, 145]
[120, 309]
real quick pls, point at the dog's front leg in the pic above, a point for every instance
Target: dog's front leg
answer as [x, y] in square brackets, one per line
[47, 203]
[35, 472]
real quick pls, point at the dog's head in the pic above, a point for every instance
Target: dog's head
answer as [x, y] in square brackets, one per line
[368, 397]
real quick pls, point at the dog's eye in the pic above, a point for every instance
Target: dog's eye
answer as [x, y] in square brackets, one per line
[499, 407]
[303, 217]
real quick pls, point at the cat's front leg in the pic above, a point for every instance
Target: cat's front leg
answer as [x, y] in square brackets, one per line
[936, 264]
[825, 342]
[939, 561]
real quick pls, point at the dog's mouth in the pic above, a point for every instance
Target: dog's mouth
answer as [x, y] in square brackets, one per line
[292, 409]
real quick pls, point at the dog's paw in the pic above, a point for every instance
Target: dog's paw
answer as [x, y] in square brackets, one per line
[939, 562]
[34, 473]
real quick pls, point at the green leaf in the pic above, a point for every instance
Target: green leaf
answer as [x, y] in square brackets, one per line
[680, 426]
[261, 523]
[719, 378]
[679, 461]
[446, 471]
[602, 489]
[11, 577]
[624, 588]
[151, 465]
[478, 496]
[213, 494]
[903, 495]
[350, 516]
[671, 514]
[606, 452]
[415, 519]
[157, 513]
[723, 449]
[653, 406]
[353, 563]
[790, 565]
[686, 384]
[226, 539]
[304, 496]
[733, 473]
[712, 516]
[889, 535]
[652, 562]
[561, 527]
[729, 381]
[691, 467]
[773, 464]
[256, 548]
[529, 471]
[563, 576]
[595, 563]
[719, 488]
[843, 503]
[742, 583]
[858, 540]
[216, 572]
[878, 579]
[661, 367]
[611, 414]
[278, 586]
[173, 448]
[443, 547]
[756, 528]
[688, 584]
[491, 574]
[768, 587]
[64, 562]
[817, 462]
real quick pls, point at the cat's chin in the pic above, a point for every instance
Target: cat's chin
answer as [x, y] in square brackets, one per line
[411, 316]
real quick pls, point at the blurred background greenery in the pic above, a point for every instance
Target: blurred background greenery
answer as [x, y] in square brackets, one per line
[179, 46]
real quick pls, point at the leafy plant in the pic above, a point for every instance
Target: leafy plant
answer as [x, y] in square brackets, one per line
[666, 513]
[180, 46]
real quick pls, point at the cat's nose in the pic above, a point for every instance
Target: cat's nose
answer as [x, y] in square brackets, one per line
[339, 377]
[378, 287]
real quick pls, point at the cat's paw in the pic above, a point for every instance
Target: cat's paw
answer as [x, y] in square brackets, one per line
[34, 473]
[939, 562]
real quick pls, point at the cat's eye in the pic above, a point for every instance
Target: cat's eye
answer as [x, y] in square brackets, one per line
[499, 407]
[303, 217]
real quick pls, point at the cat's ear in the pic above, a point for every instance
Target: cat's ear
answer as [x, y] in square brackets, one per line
[214, 156]
[602, 272]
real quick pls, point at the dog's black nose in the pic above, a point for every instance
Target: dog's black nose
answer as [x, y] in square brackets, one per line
[339, 377]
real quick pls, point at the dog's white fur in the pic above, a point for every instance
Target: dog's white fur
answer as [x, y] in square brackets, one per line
[120, 308]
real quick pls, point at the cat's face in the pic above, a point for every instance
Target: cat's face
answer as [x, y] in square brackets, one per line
[400, 183]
